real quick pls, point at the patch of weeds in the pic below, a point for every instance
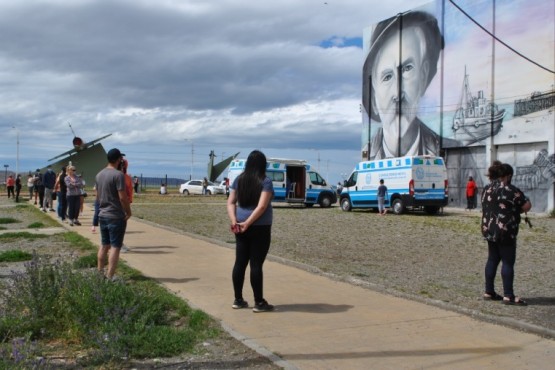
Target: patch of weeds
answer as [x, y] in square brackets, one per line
[8, 220]
[88, 261]
[552, 213]
[15, 256]
[3, 228]
[21, 353]
[35, 225]
[108, 320]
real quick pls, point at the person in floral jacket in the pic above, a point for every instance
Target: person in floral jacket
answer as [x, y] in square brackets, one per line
[502, 204]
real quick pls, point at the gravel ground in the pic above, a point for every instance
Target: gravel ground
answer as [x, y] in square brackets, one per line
[435, 259]
[438, 260]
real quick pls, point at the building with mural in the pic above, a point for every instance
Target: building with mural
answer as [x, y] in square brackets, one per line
[470, 80]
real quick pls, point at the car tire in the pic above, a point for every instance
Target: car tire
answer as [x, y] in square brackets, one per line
[397, 206]
[346, 205]
[185, 192]
[325, 201]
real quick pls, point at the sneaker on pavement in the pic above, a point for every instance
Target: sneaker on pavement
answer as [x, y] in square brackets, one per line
[76, 222]
[263, 307]
[124, 248]
[240, 303]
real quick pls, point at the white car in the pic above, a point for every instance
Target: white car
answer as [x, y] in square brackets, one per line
[195, 187]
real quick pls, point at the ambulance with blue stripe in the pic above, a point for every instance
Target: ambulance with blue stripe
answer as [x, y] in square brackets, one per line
[413, 183]
[294, 182]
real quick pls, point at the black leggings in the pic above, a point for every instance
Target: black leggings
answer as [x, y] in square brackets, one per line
[252, 247]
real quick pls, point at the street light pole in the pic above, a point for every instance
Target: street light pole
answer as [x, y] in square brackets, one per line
[17, 151]
[6, 174]
[192, 157]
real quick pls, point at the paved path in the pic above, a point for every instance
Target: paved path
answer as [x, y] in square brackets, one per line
[325, 324]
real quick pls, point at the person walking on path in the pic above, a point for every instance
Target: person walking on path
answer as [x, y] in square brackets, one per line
[10, 184]
[49, 181]
[30, 185]
[17, 187]
[61, 188]
[114, 211]
[204, 186]
[250, 211]
[502, 204]
[39, 188]
[74, 186]
[471, 189]
[382, 196]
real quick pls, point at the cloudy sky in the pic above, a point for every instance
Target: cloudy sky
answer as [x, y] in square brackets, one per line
[170, 77]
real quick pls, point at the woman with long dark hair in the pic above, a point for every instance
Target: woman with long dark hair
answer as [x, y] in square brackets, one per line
[250, 211]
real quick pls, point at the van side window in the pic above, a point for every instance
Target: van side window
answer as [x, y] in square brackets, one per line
[316, 179]
[352, 180]
[275, 176]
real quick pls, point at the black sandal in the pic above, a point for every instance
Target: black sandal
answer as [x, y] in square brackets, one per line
[492, 297]
[516, 301]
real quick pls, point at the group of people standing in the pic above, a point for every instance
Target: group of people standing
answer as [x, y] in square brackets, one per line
[250, 213]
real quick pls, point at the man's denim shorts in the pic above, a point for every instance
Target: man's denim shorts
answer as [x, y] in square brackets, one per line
[112, 231]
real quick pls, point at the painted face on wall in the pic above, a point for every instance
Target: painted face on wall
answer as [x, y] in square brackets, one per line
[413, 74]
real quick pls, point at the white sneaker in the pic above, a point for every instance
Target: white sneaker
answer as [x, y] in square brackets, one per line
[124, 248]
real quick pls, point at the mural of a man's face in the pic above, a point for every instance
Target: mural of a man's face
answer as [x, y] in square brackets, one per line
[385, 79]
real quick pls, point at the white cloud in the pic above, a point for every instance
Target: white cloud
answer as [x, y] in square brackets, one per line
[230, 75]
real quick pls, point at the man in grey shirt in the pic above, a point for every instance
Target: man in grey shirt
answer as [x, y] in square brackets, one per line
[114, 211]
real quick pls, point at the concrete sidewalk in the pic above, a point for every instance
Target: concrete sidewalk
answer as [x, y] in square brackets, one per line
[320, 323]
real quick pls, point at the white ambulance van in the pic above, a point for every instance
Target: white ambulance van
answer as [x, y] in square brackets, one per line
[415, 183]
[294, 182]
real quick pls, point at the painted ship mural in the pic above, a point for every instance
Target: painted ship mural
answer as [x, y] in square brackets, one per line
[476, 118]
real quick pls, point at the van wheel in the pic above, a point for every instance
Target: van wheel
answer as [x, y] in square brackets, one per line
[185, 192]
[431, 210]
[397, 206]
[208, 192]
[346, 205]
[325, 202]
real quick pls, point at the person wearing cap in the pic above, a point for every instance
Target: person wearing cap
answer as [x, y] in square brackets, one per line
[398, 69]
[114, 211]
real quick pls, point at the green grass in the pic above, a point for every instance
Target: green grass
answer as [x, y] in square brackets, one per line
[35, 225]
[79, 242]
[8, 220]
[108, 321]
[15, 256]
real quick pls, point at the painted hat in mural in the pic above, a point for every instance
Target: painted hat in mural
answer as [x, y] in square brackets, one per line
[388, 28]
